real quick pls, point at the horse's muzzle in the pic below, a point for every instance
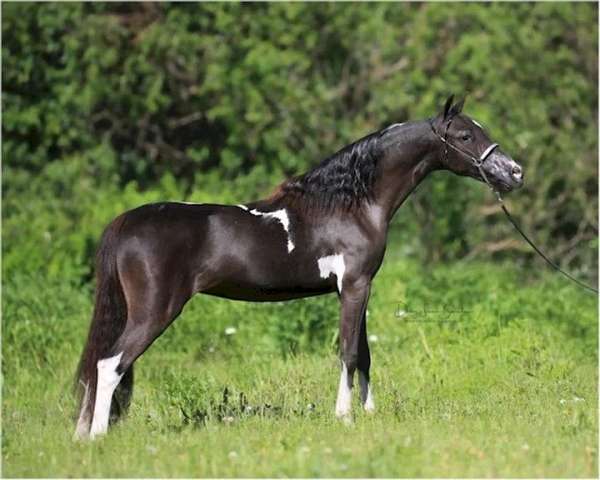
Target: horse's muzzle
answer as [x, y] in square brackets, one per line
[503, 172]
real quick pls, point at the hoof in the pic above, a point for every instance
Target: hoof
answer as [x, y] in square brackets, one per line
[369, 408]
[347, 420]
[80, 436]
[97, 435]
[344, 417]
[82, 432]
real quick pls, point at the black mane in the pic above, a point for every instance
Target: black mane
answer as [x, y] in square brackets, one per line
[342, 180]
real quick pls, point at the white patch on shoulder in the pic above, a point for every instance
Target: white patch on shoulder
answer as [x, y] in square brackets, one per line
[243, 207]
[332, 264]
[108, 379]
[282, 217]
[477, 123]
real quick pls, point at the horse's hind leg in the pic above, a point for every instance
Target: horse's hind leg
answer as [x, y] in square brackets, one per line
[144, 325]
[108, 379]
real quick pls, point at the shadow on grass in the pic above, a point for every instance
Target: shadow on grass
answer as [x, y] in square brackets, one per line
[228, 409]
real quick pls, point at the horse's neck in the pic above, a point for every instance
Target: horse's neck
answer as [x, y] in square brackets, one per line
[416, 157]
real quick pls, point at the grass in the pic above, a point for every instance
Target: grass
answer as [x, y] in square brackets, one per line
[507, 387]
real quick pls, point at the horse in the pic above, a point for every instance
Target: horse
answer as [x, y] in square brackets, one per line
[321, 232]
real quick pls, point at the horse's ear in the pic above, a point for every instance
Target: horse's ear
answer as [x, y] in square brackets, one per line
[458, 106]
[448, 106]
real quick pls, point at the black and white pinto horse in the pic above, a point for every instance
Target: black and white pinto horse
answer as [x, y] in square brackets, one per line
[321, 232]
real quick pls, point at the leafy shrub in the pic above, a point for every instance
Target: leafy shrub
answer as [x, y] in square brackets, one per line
[106, 106]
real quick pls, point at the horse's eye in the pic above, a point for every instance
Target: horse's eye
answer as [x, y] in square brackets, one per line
[466, 137]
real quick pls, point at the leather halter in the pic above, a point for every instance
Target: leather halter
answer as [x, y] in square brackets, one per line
[478, 162]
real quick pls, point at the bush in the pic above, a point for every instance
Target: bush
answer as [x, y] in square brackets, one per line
[106, 106]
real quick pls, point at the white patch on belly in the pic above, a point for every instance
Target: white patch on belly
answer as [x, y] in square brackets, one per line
[108, 379]
[343, 406]
[333, 264]
[243, 207]
[282, 217]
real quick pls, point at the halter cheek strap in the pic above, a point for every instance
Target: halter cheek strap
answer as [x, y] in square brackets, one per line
[478, 162]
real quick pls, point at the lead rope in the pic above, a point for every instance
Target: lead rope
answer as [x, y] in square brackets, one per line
[478, 163]
[527, 239]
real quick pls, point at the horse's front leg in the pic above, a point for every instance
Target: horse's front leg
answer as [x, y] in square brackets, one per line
[364, 365]
[354, 298]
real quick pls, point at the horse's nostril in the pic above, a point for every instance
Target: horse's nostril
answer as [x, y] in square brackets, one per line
[516, 171]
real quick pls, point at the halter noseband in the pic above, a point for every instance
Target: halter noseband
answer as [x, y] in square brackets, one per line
[478, 162]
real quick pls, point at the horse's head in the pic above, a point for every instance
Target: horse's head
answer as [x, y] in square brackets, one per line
[466, 150]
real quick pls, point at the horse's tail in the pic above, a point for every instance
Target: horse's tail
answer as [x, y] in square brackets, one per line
[108, 322]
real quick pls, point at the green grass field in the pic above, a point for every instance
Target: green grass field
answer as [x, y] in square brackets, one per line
[505, 387]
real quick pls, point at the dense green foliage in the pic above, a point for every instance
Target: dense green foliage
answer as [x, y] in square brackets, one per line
[109, 105]
[505, 388]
